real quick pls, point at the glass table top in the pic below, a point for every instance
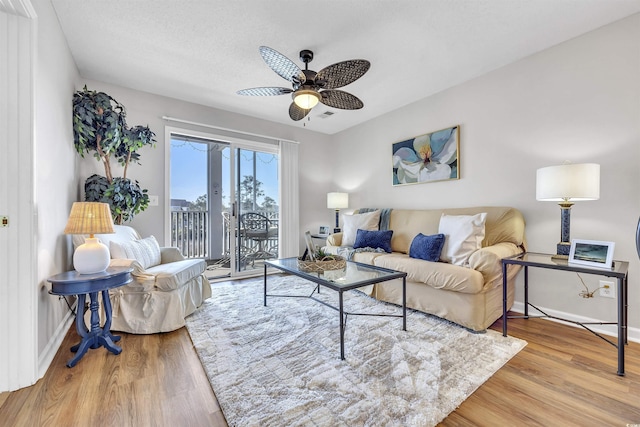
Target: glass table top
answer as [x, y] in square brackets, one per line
[353, 275]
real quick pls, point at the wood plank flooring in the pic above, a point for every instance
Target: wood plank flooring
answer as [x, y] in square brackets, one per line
[565, 376]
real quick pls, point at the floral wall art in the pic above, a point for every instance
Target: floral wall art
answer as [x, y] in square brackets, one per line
[427, 158]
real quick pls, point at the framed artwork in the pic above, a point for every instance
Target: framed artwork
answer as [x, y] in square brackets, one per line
[592, 253]
[324, 230]
[430, 157]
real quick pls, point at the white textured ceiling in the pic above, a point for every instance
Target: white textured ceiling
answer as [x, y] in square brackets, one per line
[204, 51]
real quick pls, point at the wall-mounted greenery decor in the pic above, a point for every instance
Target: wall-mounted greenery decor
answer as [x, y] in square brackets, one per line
[99, 126]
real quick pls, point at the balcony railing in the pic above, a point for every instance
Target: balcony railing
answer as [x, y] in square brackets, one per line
[190, 232]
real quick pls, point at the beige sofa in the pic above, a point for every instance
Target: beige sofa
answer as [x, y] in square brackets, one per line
[165, 288]
[469, 295]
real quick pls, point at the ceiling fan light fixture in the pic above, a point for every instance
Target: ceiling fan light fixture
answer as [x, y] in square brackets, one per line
[306, 98]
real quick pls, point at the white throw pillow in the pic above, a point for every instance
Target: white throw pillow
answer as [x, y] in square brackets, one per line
[463, 236]
[353, 223]
[146, 251]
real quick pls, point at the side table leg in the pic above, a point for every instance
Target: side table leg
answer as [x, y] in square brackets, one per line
[81, 328]
[107, 339]
[504, 299]
[622, 326]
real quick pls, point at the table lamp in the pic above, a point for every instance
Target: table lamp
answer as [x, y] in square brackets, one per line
[337, 201]
[90, 218]
[566, 184]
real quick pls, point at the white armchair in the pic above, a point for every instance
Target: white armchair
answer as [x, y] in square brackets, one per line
[165, 289]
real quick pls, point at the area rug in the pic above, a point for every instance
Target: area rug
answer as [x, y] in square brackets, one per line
[280, 365]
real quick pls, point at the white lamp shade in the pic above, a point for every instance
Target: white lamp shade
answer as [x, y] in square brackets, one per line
[568, 182]
[337, 200]
[91, 257]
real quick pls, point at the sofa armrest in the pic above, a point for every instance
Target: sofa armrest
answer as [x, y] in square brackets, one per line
[168, 255]
[142, 281]
[488, 260]
[335, 239]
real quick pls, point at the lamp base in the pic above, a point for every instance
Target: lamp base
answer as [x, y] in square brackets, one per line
[336, 230]
[563, 249]
[91, 257]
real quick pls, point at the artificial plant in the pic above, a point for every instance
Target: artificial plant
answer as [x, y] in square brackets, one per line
[99, 126]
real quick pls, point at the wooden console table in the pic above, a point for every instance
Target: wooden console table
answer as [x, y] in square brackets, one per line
[538, 260]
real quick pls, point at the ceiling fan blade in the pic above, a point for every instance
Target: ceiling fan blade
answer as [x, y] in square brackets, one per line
[283, 66]
[264, 91]
[340, 99]
[343, 73]
[296, 113]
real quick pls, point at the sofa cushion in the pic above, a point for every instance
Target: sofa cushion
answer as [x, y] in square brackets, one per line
[175, 274]
[438, 275]
[353, 223]
[373, 239]
[146, 251]
[464, 235]
[427, 248]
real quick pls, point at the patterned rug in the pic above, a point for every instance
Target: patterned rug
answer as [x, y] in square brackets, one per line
[280, 365]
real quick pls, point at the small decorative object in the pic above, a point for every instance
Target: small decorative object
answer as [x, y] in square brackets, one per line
[322, 262]
[90, 218]
[324, 230]
[427, 158]
[592, 253]
[311, 248]
[566, 184]
[337, 201]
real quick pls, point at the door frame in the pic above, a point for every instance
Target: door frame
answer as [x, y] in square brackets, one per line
[234, 142]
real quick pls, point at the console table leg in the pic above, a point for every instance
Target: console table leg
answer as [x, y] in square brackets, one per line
[341, 327]
[504, 299]
[622, 326]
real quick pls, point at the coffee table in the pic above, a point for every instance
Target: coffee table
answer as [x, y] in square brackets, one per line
[355, 275]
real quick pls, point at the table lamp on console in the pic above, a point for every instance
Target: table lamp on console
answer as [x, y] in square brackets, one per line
[566, 184]
[90, 218]
[337, 201]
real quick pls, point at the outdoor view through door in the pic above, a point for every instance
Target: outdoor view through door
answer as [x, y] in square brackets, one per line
[224, 203]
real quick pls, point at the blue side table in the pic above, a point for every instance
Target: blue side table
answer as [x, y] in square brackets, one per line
[74, 283]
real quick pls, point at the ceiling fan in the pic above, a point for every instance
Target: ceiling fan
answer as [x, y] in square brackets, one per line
[310, 87]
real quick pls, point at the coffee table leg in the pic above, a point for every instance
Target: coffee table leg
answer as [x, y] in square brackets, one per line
[404, 303]
[341, 327]
[265, 285]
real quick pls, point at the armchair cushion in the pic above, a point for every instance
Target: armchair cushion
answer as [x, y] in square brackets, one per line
[146, 251]
[175, 274]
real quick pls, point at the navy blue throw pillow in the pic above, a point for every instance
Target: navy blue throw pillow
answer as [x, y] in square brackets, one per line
[373, 239]
[427, 248]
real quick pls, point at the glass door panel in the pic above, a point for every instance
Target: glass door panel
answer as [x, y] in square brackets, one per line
[257, 208]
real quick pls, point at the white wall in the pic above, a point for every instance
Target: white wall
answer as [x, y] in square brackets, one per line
[578, 101]
[148, 109]
[55, 163]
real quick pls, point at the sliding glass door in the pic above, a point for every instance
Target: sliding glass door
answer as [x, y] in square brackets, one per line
[224, 202]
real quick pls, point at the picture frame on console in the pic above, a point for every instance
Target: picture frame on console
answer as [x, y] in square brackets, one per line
[593, 253]
[425, 158]
[324, 230]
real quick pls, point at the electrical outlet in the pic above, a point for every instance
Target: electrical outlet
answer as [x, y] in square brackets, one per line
[607, 289]
[4, 221]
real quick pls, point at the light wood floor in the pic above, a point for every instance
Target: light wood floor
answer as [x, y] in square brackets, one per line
[564, 377]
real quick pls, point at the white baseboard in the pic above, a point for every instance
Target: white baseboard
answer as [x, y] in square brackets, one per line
[49, 352]
[633, 334]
